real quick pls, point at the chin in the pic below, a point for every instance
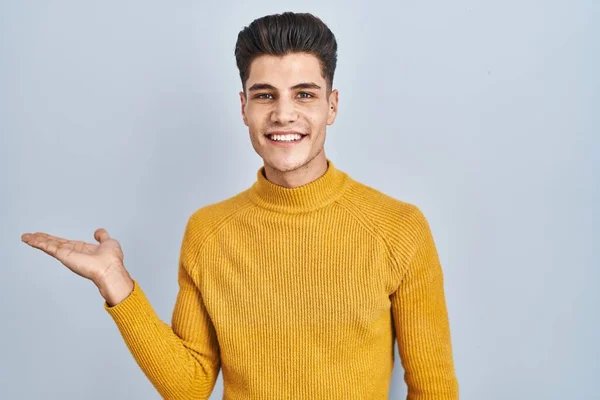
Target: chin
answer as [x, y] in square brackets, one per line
[288, 163]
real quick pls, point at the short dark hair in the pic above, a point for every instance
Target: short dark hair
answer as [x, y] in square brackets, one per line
[282, 34]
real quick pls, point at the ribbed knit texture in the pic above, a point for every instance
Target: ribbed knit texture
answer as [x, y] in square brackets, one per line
[299, 294]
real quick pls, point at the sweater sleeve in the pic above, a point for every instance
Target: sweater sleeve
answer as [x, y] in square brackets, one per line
[182, 360]
[421, 321]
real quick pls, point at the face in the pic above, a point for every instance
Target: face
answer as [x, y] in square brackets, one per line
[288, 95]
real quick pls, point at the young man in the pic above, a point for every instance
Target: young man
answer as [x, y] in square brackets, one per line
[298, 286]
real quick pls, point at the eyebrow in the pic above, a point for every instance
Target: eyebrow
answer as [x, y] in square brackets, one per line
[303, 85]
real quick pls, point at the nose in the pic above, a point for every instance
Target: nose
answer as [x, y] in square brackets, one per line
[284, 111]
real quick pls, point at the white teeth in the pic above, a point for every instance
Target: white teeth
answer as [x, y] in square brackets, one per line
[286, 138]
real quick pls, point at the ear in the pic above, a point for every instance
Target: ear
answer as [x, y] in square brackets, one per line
[243, 104]
[333, 106]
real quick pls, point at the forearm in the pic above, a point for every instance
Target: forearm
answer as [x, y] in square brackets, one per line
[177, 370]
[425, 348]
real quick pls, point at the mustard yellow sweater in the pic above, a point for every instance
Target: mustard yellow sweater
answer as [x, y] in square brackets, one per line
[299, 294]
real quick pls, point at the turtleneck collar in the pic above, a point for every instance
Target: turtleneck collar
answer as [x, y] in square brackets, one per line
[308, 197]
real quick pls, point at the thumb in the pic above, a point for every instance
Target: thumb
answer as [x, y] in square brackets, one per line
[101, 235]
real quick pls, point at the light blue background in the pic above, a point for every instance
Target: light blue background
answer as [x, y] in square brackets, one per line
[125, 115]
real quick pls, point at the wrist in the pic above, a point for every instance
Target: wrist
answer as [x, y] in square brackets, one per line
[115, 286]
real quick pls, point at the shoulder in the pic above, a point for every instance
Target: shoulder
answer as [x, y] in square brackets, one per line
[206, 221]
[402, 225]
[389, 214]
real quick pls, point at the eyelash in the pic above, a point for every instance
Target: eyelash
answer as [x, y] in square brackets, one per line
[258, 96]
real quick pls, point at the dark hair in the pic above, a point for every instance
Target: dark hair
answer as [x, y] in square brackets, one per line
[281, 34]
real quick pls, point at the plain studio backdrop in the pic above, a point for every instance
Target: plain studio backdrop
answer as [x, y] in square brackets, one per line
[126, 115]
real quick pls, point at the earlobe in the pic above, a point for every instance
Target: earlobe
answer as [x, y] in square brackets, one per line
[332, 115]
[243, 107]
[333, 100]
[333, 106]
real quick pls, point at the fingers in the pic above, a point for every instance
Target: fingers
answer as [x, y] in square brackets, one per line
[58, 248]
[101, 235]
[26, 237]
[47, 243]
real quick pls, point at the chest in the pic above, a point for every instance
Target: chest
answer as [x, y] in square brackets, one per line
[290, 276]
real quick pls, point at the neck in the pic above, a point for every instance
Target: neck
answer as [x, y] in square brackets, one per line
[307, 173]
[316, 194]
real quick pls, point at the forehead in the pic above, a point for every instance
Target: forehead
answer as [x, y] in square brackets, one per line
[285, 71]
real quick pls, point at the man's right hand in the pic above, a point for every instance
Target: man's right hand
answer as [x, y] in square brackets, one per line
[102, 263]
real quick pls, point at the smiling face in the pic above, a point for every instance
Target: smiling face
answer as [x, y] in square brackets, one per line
[288, 95]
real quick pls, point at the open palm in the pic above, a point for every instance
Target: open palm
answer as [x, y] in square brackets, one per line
[91, 261]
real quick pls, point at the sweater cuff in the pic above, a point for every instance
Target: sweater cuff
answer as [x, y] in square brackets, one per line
[134, 305]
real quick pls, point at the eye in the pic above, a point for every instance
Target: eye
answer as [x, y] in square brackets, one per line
[261, 96]
[308, 95]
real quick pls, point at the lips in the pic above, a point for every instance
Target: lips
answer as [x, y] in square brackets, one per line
[285, 143]
[285, 133]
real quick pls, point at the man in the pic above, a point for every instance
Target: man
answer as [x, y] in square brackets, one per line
[298, 286]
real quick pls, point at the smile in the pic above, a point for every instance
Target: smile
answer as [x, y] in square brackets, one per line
[288, 139]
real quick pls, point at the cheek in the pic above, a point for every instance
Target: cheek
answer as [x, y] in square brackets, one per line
[255, 117]
[317, 119]
[251, 122]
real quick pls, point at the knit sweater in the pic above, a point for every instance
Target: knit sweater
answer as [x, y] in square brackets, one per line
[299, 293]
